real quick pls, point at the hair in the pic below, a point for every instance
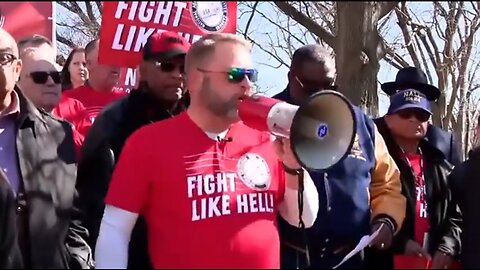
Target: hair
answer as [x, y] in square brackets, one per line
[314, 53]
[66, 78]
[92, 45]
[203, 48]
[33, 41]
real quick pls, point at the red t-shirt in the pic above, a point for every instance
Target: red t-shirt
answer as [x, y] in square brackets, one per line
[74, 112]
[422, 224]
[94, 101]
[208, 204]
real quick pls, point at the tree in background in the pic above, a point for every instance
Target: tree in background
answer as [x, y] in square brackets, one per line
[438, 37]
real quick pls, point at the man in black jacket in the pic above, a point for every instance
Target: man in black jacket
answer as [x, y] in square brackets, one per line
[160, 96]
[465, 186]
[10, 256]
[37, 156]
[432, 225]
[442, 140]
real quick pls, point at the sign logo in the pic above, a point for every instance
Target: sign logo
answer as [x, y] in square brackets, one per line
[254, 172]
[210, 16]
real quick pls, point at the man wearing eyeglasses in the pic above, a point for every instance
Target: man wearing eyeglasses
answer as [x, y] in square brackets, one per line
[432, 225]
[208, 186]
[37, 158]
[358, 196]
[161, 95]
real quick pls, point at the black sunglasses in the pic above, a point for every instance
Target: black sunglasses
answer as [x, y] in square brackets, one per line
[41, 77]
[170, 67]
[420, 115]
[315, 86]
[237, 75]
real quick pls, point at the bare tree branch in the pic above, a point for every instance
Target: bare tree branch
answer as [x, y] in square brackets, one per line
[308, 23]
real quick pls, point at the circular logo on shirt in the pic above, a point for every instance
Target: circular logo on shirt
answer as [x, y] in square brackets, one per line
[210, 16]
[254, 172]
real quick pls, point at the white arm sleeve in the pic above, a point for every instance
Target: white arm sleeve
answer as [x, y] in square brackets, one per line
[111, 250]
[288, 208]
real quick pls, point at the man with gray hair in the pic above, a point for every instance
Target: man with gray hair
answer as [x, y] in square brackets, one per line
[359, 195]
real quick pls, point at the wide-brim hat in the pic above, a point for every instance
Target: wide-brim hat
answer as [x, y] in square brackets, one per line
[411, 78]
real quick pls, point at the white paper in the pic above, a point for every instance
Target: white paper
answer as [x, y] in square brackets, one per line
[363, 243]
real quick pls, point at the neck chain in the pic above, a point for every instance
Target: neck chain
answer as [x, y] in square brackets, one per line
[418, 178]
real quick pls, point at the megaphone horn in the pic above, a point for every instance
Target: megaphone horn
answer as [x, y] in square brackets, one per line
[321, 131]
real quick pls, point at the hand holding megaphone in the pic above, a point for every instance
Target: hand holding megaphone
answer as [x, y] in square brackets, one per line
[321, 131]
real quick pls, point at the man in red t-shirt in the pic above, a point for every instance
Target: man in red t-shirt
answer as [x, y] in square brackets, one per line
[209, 187]
[432, 224]
[100, 89]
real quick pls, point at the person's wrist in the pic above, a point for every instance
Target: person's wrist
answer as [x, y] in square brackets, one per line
[291, 170]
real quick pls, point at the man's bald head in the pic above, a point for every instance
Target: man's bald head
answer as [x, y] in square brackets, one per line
[8, 43]
[312, 70]
[315, 53]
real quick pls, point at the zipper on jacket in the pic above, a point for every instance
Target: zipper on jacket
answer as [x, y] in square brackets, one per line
[327, 191]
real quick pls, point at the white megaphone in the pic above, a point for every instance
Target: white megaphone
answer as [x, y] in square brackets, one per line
[321, 131]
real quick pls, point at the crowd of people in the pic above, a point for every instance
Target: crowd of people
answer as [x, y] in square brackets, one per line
[168, 176]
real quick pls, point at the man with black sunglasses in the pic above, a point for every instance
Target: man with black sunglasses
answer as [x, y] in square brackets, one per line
[432, 225]
[161, 95]
[359, 195]
[37, 158]
[40, 81]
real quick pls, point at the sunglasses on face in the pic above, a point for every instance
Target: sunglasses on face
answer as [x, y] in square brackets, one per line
[41, 77]
[169, 67]
[316, 85]
[6, 59]
[237, 75]
[421, 116]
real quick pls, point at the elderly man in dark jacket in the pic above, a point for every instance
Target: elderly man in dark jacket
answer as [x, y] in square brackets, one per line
[37, 156]
[432, 225]
[10, 256]
[442, 140]
[159, 96]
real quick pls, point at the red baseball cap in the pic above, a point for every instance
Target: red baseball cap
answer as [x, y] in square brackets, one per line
[165, 45]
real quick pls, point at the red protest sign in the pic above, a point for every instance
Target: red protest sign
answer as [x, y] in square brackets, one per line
[126, 25]
[22, 19]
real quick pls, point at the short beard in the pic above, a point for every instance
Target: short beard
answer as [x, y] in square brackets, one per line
[226, 109]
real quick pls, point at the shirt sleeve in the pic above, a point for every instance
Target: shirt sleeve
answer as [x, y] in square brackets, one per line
[112, 244]
[385, 188]
[130, 183]
[288, 208]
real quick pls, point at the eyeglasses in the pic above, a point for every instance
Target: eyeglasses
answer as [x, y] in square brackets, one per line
[420, 115]
[169, 67]
[237, 75]
[41, 77]
[315, 86]
[7, 59]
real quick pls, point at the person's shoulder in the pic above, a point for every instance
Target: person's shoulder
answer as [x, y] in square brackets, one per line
[162, 131]
[74, 92]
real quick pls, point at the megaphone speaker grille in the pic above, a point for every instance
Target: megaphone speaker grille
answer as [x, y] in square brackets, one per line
[323, 130]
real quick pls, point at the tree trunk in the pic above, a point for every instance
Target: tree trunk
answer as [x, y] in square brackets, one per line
[356, 25]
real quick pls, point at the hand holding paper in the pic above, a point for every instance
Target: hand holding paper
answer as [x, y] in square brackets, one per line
[363, 243]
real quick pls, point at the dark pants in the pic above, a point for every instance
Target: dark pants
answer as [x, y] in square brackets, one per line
[293, 258]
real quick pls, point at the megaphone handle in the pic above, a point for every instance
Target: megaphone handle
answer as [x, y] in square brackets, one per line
[301, 224]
